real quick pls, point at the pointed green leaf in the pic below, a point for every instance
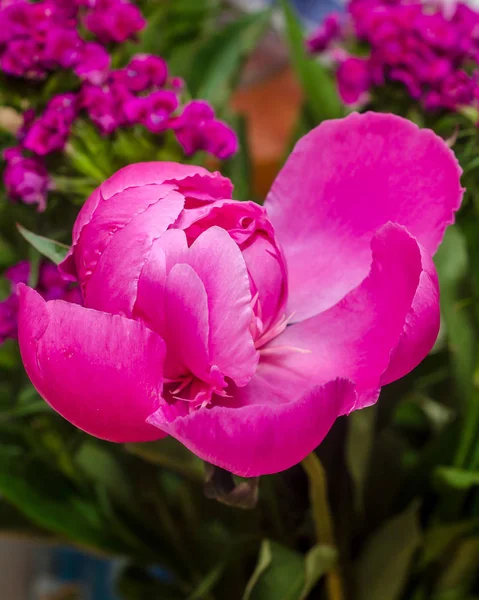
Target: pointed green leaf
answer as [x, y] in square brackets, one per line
[319, 560]
[279, 574]
[55, 251]
[383, 566]
[459, 479]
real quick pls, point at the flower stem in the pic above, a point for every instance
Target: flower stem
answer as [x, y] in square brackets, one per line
[318, 493]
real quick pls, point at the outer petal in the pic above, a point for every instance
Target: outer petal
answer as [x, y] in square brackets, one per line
[355, 338]
[113, 284]
[422, 325]
[122, 210]
[266, 434]
[343, 181]
[102, 372]
[193, 182]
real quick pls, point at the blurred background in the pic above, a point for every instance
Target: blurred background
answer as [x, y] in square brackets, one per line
[81, 519]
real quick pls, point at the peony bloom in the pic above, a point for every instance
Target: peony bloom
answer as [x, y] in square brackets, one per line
[243, 331]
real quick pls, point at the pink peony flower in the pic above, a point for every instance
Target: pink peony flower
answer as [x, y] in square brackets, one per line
[243, 331]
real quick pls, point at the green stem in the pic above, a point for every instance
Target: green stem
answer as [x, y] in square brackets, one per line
[318, 493]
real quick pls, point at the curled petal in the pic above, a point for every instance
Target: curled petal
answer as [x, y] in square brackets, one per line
[217, 260]
[343, 181]
[421, 327]
[102, 372]
[355, 338]
[264, 435]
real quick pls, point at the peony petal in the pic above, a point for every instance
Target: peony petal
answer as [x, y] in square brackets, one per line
[218, 262]
[191, 181]
[266, 435]
[343, 181]
[187, 325]
[113, 285]
[422, 325]
[166, 251]
[102, 372]
[111, 217]
[355, 338]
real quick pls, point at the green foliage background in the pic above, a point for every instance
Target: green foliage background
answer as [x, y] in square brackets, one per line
[388, 509]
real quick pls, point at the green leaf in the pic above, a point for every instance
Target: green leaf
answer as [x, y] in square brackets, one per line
[453, 269]
[7, 254]
[319, 89]
[239, 168]
[319, 560]
[279, 574]
[55, 251]
[171, 455]
[208, 583]
[50, 502]
[383, 566]
[459, 479]
[217, 63]
[101, 466]
[359, 444]
[439, 538]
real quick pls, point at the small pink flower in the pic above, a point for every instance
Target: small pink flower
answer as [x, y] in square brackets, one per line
[198, 129]
[51, 286]
[145, 71]
[354, 80]
[114, 20]
[93, 64]
[244, 331]
[26, 179]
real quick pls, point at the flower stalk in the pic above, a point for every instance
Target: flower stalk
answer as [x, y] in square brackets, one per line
[318, 493]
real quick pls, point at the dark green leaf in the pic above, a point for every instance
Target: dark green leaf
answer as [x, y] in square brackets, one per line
[55, 251]
[101, 467]
[50, 502]
[170, 454]
[359, 444]
[383, 566]
[439, 538]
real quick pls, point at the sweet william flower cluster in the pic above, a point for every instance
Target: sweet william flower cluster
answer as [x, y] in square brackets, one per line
[429, 48]
[243, 331]
[39, 38]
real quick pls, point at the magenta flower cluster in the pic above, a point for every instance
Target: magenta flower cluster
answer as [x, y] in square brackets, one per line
[430, 48]
[41, 37]
[37, 38]
[51, 286]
